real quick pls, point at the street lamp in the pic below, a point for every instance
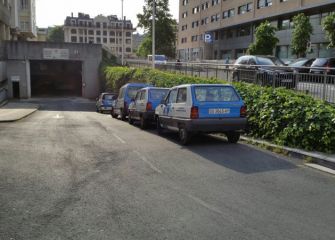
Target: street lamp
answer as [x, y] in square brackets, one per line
[122, 33]
[153, 33]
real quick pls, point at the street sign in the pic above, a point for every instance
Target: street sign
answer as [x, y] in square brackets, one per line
[208, 38]
[55, 53]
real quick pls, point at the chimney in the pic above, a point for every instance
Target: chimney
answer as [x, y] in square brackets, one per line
[72, 14]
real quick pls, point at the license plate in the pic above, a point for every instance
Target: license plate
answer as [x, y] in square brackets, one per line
[219, 111]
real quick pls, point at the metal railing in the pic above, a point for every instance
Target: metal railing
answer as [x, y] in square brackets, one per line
[317, 82]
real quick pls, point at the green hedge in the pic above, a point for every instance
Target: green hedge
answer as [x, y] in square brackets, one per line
[278, 115]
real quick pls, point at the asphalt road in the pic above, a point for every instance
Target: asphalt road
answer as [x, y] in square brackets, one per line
[67, 172]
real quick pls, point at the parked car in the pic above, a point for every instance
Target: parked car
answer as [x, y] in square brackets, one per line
[202, 108]
[142, 108]
[126, 94]
[105, 102]
[301, 65]
[323, 66]
[262, 70]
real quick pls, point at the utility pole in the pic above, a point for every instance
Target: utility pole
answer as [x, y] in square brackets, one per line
[153, 33]
[122, 32]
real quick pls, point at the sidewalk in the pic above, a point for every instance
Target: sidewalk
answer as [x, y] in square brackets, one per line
[14, 111]
[322, 159]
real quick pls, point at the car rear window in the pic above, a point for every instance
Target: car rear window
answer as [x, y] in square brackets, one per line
[132, 91]
[157, 94]
[216, 94]
[320, 62]
[265, 61]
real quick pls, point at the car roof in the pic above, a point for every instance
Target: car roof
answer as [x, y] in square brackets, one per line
[203, 85]
[135, 84]
[149, 88]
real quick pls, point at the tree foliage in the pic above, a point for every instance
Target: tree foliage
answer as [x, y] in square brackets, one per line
[301, 35]
[265, 40]
[165, 29]
[56, 34]
[328, 25]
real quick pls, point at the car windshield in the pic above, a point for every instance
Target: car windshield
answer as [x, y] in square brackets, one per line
[299, 63]
[160, 58]
[132, 91]
[216, 94]
[265, 61]
[157, 94]
[108, 97]
[320, 62]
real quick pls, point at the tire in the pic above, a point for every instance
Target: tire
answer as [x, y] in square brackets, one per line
[122, 115]
[143, 123]
[184, 136]
[233, 137]
[158, 126]
[130, 120]
[113, 114]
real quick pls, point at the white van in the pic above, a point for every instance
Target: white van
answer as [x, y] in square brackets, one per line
[159, 59]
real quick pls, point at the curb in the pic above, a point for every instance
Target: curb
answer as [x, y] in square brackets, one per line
[20, 118]
[309, 157]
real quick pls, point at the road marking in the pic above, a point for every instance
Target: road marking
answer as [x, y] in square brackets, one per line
[204, 204]
[118, 138]
[58, 117]
[144, 159]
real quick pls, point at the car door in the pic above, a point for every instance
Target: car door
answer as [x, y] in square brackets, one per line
[179, 108]
[133, 106]
[165, 111]
[141, 104]
[120, 101]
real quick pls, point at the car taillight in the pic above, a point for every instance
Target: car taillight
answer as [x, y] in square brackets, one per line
[194, 112]
[243, 111]
[149, 106]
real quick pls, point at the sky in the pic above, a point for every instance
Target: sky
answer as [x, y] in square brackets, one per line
[54, 12]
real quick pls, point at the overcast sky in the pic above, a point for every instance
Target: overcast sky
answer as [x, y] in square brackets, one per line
[54, 12]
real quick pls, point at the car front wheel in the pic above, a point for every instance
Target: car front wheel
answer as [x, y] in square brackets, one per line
[122, 115]
[113, 114]
[184, 136]
[130, 120]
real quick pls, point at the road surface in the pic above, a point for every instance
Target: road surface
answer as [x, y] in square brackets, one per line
[67, 172]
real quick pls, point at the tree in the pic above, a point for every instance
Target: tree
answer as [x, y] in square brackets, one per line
[265, 40]
[328, 26]
[56, 34]
[165, 29]
[301, 35]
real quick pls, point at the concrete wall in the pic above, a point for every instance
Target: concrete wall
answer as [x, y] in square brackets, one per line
[19, 54]
[3, 81]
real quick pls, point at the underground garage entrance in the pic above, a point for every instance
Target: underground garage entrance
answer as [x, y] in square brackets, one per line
[51, 78]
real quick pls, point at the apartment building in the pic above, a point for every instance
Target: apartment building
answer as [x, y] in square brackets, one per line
[5, 17]
[222, 29]
[17, 19]
[101, 30]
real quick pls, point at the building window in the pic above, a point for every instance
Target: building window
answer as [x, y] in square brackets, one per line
[184, 27]
[185, 2]
[244, 8]
[98, 24]
[112, 33]
[264, 3]
[81, 39]
[105, 40]
[195, 10]
[215, 17]
[104, 25]
[24, 4]
[98, 40]
[215, 2]
[184, 40]
[243, 31]
[128, 50]
[112, 40]
[105, 33]
[73, 31]
[184, 15]
[195, 24]
[204, 6]
[24, 26]
[98, 32]
[229, 13]
[128, 41]
[194, 38]
[90, 32]
[73, 39]
[128, 34]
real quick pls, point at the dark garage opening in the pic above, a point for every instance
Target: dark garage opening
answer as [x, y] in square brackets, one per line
[56, 78]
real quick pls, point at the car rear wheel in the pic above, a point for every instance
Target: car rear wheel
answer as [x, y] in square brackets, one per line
[113, 114]
[233, 137]
[144, 123]
[130, 120]
[122, 115]
[158, 126]
[184, 136]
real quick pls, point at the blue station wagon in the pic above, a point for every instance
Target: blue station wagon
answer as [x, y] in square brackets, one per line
[203, 108]
[126, 94]
[144, 105]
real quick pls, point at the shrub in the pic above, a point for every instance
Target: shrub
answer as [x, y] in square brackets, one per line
[278, 115]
